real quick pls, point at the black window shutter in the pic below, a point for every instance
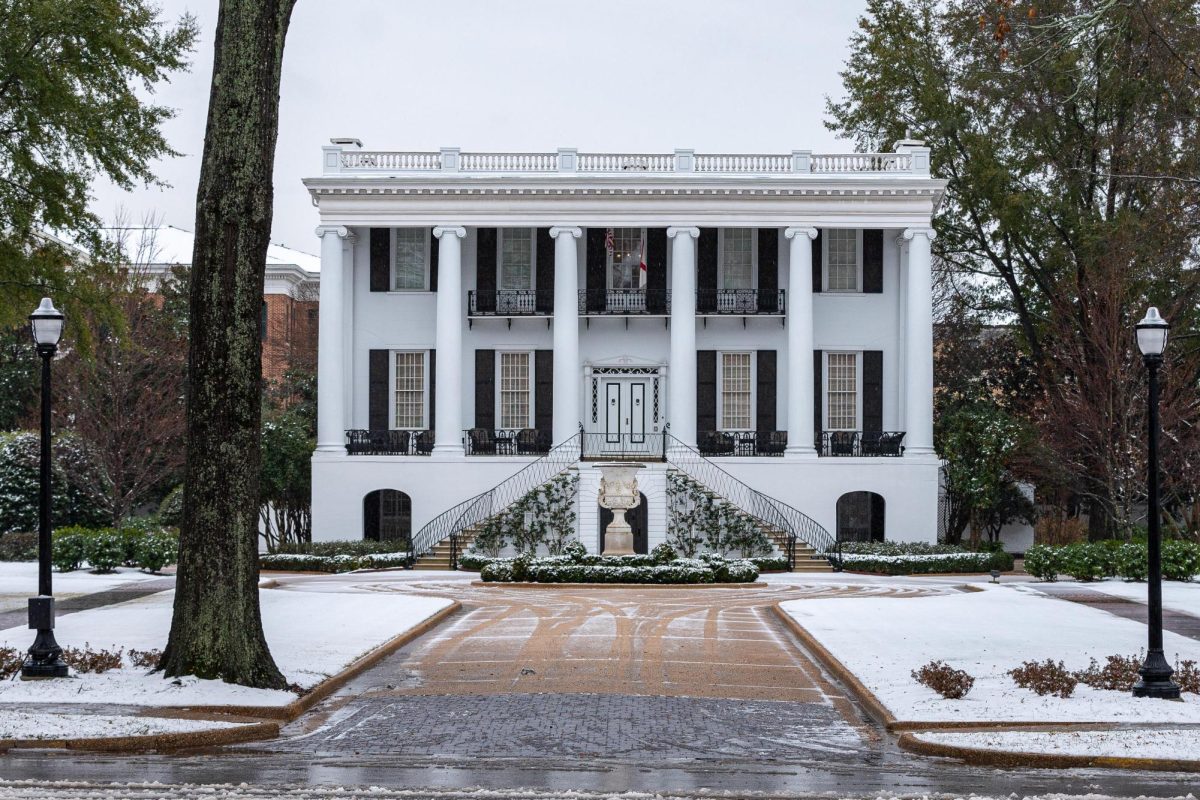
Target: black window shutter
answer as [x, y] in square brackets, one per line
[543, 393]
[878, 508]
[596, 281]
[433, 261]
[766, 400]
[433, 390]
[371, 516]
[872, 390]
[873, 261]
[656, 270]
[816, 261]
[544, 298]
[706, 391]
[485, 389]
[706, 270]
[768, 270]
[818, 367]
[377, 390]
[381, 251]
[485, 270]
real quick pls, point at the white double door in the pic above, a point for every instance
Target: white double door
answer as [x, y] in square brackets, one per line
[627, 416]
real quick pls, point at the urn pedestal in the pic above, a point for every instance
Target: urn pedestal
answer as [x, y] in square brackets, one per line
[619, 493]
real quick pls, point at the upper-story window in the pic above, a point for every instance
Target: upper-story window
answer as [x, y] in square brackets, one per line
[843, 260]
[737, 384]
[516, 259]
[516, 384]
[409, 379]
[410, 259]
[626, 256]
[841, 390]
[737, 258]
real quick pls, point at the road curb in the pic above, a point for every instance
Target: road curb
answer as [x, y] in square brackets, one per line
[250, 732]
[532, 585]
[977, 756]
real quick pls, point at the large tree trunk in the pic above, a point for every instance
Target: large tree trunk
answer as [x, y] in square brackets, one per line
[216, 631]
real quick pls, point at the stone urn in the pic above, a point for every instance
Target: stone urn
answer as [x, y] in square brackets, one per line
[619, 493]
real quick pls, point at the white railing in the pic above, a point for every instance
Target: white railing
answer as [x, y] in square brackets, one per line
[626, 162]
[862, 162]
[508, 162]
[400, 162]
[756, 164]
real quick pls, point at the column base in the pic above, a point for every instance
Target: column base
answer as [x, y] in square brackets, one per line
[331, 448]
[800, 453]
[448, 451]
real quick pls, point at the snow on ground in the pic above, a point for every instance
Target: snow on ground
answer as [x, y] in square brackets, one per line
[1177, 595]
[311, 636]
[882, 639]
[19, 582]
[1166, 743]
[24, 725]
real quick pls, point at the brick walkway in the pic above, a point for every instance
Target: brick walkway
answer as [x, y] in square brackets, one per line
[1178, 622]
[118, 594]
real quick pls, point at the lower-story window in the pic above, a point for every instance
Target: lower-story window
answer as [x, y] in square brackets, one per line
[842, 395]
[736, 392]
[515, 390]
[410, 383]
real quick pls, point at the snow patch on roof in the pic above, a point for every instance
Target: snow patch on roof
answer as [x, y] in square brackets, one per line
[169, 245]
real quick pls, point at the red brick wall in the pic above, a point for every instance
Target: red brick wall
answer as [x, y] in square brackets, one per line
[290, 339]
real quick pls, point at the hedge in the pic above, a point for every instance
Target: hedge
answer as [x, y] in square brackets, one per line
[309, 562]
[105, 549]
[926, 564]
[588, 568]
[1090, 561]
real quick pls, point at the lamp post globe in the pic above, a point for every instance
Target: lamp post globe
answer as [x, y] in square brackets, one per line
[45, 656]
[1155, 680]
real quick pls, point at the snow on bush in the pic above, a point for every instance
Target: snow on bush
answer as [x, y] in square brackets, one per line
[1045, 677]
[951, 683]
[583, 567]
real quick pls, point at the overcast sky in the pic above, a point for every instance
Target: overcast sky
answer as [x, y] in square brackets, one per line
[535, 75]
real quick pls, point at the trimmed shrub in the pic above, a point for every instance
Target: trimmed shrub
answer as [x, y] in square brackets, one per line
[1119, 673]
[1180, 560]
[17, 546]
[1187, 676]
[344, 547]
[770, 563]
[153, 551]
[68, 548]
[11, 660]
[170, 510]
[663, 554]
[618, 569]
[473, 562]
[308, 562]
[953, 684]
[1045, 678]
[1086, 562]
[145, 658]
[104, 549]
[85, 659]
[1131, 561]
[1044, 562]
[930, 564]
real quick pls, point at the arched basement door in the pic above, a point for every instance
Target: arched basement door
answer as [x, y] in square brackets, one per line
[860, 517]
[387, 516]
[638, 519]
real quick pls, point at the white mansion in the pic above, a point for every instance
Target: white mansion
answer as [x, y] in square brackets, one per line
[761, 323]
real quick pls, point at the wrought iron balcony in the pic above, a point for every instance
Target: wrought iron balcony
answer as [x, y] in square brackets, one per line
[740, 302]
[510, 303]
[741, 443]
[603, 446]
[387, 442]
[624, 302]
[860, 443]
[505, 442]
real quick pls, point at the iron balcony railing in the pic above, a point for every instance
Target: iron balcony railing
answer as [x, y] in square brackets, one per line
[860, 443]
[510, 303]
[506, 442]
[742, 443]
[449, 525]
[601, 446]
[740, 302]
[379, 442]
[624, 302]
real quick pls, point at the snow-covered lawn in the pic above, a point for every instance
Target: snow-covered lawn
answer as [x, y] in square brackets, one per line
[882, 639]
[311, 635]
[1165, 743]
[1177, 595]
[19, 582]
[45, 725]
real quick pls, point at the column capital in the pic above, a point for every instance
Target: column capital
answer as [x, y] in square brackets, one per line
[339, 230]
[574, 233]
[792, 233]
[692, 232]
[450, 230]
[928, 233]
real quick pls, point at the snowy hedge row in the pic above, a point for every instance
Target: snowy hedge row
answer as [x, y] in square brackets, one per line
[309, 562]
[1091, 561]
[921, 564]
[578, 566]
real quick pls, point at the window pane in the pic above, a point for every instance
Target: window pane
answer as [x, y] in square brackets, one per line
[625, 261]
[843, 260]
[735, 391]
[843, 391]
[516, 259]
[737, 258]
[514, 390]
[409, 273]
[410, 390]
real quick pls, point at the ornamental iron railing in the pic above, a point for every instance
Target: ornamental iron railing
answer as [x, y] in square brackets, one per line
[795, 525]
[450, 524]
[602, 446]
[510, 303]
[624, 301]
[385, 442]
[740, 302]
[860, 443]
[741, 443]
[505, 442]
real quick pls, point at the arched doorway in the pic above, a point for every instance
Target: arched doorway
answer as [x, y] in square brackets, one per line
[387, 516]
[860, 517]
[638, 519]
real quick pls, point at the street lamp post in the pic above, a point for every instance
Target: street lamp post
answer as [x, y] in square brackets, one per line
[45, 656]
[1156, 672]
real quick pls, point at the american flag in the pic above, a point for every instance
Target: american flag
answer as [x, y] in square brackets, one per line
[609, 244]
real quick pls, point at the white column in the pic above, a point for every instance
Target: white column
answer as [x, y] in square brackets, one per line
[331, 342]
[566, 332]
[681, 378]
[918, 345]
[800, 344]
[447, 436]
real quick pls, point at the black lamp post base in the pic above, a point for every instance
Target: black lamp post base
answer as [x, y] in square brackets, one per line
[37, 670]
[1156, 678]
